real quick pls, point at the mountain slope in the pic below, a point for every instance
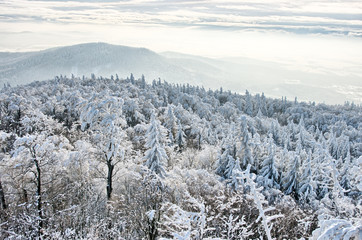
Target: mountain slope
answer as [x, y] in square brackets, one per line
[84, 59]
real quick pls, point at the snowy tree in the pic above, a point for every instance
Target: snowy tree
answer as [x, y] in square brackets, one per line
[185, 223]
[248, 104]
[180, 137]
[227, 156]
[144, 195]
[78, 131]
[345, 172]
[291, 181]
[235, 228]
[143, 82]
[271, 109]
[236, 178]
[198, 132]
[38, 160]
[155, 156]
[333, 146]
[170, 124]
[263, 106]
[337, 229]
[269, 171]
[244, 151]
[321, 171]
[104, 118]
[132, 112]
[230, 216]
[307, 185]
[259, 201]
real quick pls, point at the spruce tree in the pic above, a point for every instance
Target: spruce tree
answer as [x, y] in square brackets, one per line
[170, 124]
[307, 185]
[291, 180]
[155, 156]
[180, 137]
[228, 156]
[248, 104]
[244, 151]
[269, 171]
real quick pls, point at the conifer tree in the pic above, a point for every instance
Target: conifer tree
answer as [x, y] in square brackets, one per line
[244, 151]
[228, 156]
[170, 124]
[307, 185]
[248, 104]
[263, 104]
[236, 176]
[275, 132]
[269, 171]
[291, 180]
[321, 170]
[180, 137]
[156, 155]
[345, 179]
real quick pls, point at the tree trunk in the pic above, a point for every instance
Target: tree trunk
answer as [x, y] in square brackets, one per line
[153, 225]
[25, 196]
[39, 196]
[2, 197]
[152, 234]
[109, 179]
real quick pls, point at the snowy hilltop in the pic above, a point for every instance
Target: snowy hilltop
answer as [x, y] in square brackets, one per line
[100, 59]
[112, 158]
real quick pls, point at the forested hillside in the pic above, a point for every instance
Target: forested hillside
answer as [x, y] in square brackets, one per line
[109, 158]
[101, 59]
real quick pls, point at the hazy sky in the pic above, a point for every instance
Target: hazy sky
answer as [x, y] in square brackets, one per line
[324, 35]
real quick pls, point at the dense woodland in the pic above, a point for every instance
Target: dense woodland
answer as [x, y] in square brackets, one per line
[110, 158]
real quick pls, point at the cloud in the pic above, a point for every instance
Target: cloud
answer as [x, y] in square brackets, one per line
[292, 81]
[292, 32]
[303, 17]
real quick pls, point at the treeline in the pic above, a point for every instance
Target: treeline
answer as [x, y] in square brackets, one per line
[110, 158]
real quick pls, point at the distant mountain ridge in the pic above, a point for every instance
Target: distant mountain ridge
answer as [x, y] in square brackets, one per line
[84, 59]
[236, 74]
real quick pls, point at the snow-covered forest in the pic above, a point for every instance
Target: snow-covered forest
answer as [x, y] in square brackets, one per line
[110, 158]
